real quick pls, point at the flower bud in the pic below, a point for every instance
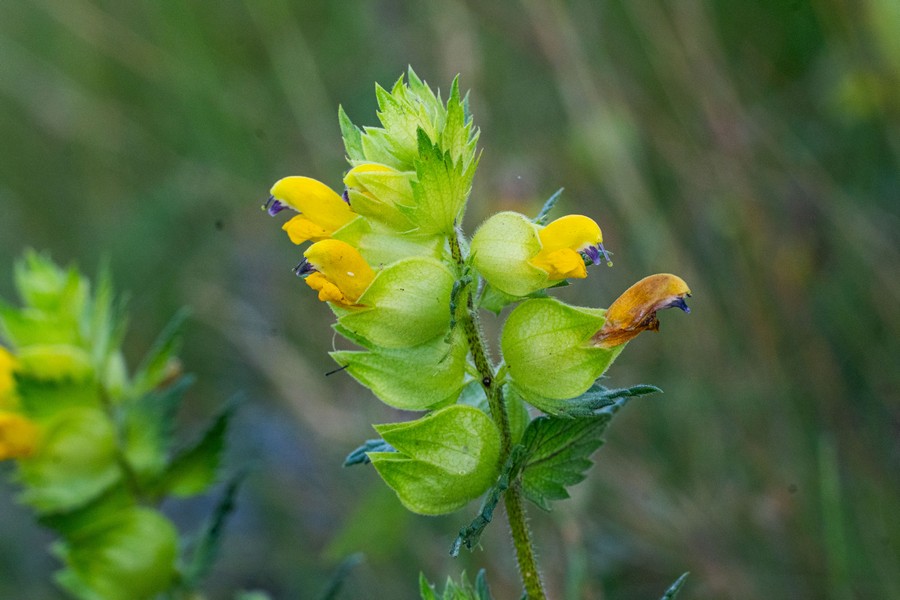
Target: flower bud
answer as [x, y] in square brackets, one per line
[381, 193]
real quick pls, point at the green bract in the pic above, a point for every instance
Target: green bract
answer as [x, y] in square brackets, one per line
[442, 461]
[405, 305]
[544, 346]
[75, 461]
[381, 245]
[501, 249]
[129, 555]
[418, 378]
[55, 361]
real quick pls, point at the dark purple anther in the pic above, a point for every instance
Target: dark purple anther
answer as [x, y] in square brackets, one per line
[303, 269]
[273, 206]
[595, 252]
[346, 196]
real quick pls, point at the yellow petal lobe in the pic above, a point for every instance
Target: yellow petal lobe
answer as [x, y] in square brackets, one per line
[342, 267]
[328, 292]
[18, 436]
[321, 205]
[635, 310]
[561, 242]
[8, 364]
[301, 229]
[561, 264]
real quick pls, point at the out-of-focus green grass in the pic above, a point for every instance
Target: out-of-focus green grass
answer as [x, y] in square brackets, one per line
[751, 147]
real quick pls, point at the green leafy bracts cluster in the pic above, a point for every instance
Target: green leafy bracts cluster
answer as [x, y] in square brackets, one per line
[93, 444]
[406, 286]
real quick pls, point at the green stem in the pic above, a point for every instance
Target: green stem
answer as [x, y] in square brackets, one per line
[129, 477]
[514, 501]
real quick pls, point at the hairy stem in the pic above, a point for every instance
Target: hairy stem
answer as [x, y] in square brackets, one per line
[514, 501]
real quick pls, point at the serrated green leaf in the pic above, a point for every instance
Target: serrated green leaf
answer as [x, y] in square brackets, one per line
[544, 216]
[441, 188]
[352, 136]
[45, 286]
[673, 590]
[147, 428]
[360, 456]
[195, 468]
[463, 590]
[155, 365]
[558, 453]
[443, 460]
[597, 397]
[206, 547]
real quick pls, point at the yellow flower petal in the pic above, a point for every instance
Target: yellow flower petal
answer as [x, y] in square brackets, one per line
[561, 264]
[328, 292]
[635, 310]
[18, 436]
[321, 205]
[341, 265]
[8, 364]
[301, 229]
[562, 241]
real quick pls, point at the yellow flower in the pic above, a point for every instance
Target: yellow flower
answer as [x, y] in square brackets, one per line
[322, 210]
[635, 310]
[336, 270]
[8, 364]
[562, 244]
[18, 436]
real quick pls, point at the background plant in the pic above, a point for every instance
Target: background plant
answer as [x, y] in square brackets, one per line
[94, 444]
[751, 147]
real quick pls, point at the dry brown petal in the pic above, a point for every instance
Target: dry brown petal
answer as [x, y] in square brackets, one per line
[635, 310]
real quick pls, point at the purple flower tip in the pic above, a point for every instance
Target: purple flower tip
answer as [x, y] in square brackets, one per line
[273, 206]
[303, 269]
[593, 253]
[679, 303]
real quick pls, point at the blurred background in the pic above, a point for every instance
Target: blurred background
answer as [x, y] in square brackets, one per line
[750, 147]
